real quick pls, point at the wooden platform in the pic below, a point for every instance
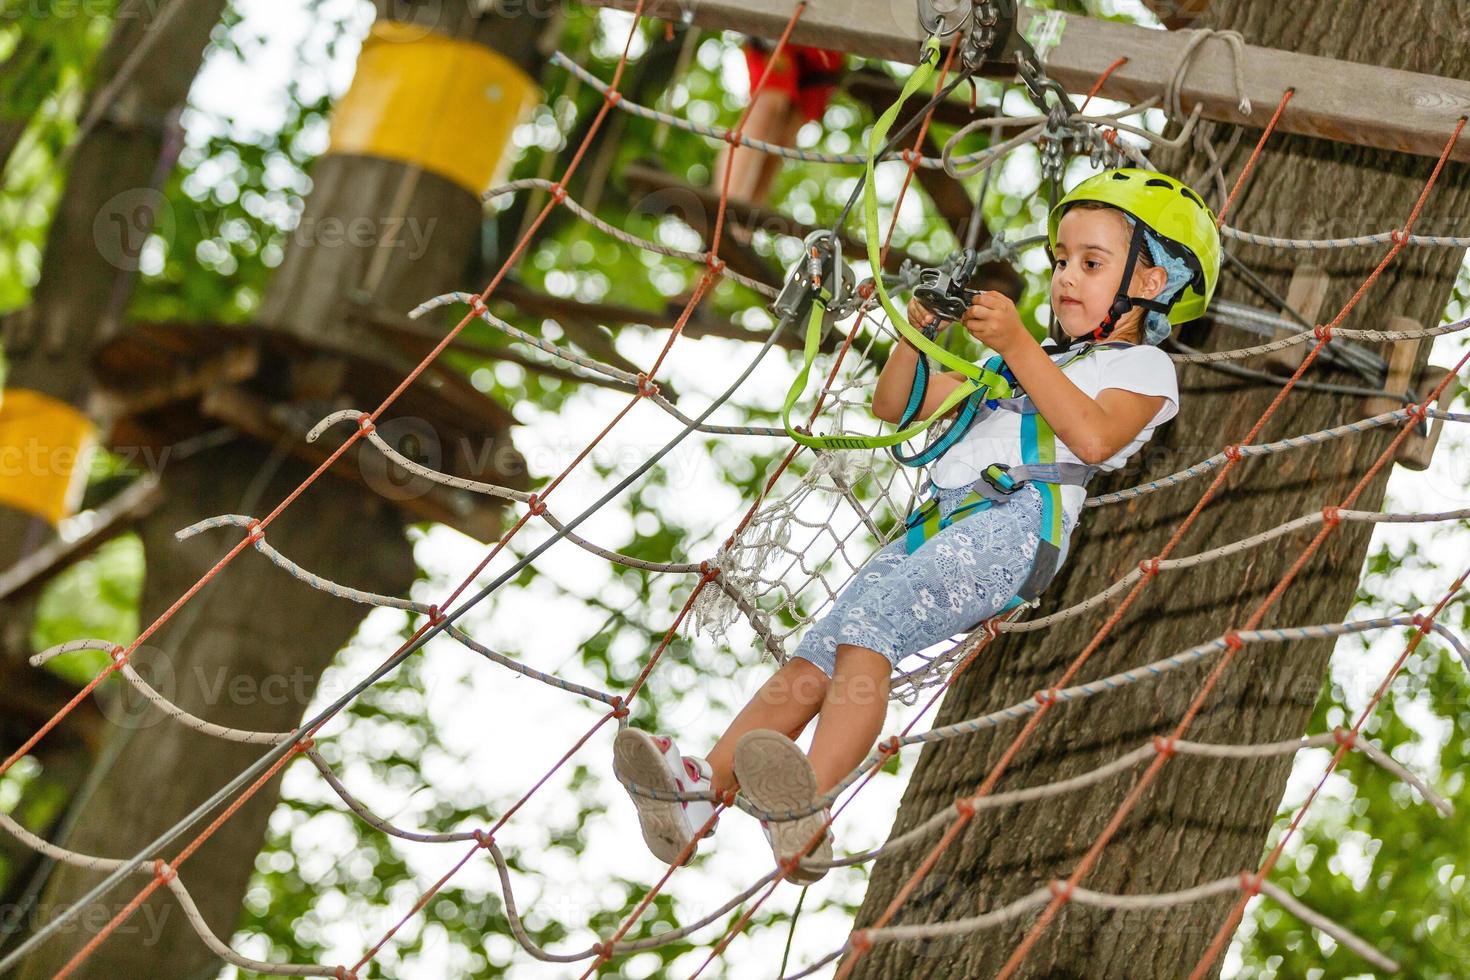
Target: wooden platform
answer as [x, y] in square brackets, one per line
[163, 383]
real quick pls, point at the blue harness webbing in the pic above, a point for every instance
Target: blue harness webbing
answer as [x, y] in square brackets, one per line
[998, 480]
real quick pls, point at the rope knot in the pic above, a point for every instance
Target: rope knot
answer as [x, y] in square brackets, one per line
[254, 533]
[603, 950]
[163, 872]
[1047, 697]
[436, 616]
[119, 656]
[1323, 332]
[889, 746]
[1344, 736]
[1398, 237]
[1062, 889]
[1232, 451]
[365, 424]
[1250, 883]
[965, 807]
[305, 745]
[536, 505]
[646, 387]
[613, 96]
[619, 707]
[708, 572]
[908, 156]
[714, 263]
[861, 941]
[484, 838]
[1111, 135]
[866, 289]
[477, 305]
[1233, 640]
[1149, 566]
[1419, 410]
[558, 192]
[1422, 621]
[1331, 515]
[343, 973]
[1164, 746]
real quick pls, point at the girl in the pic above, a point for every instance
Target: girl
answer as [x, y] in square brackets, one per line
[1132, 252]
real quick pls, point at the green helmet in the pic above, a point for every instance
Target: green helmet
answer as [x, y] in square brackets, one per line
[1176, 215]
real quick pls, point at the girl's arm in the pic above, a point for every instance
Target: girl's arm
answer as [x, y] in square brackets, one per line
[891, 394]
[1094, 429]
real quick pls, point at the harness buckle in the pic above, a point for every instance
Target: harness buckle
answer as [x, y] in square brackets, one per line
[998, 476]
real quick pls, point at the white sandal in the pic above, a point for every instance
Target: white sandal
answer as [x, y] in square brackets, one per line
[653, 761]
[777, 776]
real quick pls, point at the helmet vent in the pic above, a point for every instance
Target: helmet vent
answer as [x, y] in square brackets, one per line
[1191, 195]
[1120, 175]
[1158, 182]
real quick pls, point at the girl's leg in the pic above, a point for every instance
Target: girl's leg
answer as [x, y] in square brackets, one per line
[795, 693]
[785, 703]
[852, 714]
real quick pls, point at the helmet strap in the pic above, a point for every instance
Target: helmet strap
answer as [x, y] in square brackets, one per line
[1122, 302]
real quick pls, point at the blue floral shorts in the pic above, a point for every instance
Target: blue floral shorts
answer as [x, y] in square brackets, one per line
[899, 604]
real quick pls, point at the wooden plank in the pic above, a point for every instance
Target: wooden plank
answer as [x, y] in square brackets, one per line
[1364, 105]
[1306, 294]
[1416, 452]
[1401, 359]
[421, 499]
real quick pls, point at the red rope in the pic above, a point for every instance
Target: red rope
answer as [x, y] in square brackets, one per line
[1097, 86]
[1141, 786]
[1255, 154]
[258, 528]
[1034, 721]
[1345, 743]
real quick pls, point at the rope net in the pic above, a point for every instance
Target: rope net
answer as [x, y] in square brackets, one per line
[794, 550]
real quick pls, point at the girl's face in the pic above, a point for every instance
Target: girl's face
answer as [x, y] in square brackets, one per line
[1091, 250]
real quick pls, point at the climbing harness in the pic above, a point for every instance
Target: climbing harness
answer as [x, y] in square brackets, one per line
[998, 481]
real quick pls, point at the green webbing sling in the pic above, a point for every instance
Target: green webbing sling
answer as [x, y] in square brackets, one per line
[980, 379]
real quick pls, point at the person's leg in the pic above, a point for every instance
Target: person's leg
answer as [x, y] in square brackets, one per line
[794, 694]
[785, 703]
[768, 120]
[852, 714]
[785, 131]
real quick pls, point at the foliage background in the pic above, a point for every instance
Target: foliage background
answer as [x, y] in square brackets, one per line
[445, 742]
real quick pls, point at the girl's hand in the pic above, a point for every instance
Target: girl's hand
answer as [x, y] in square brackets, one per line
[992, 319]
[920, 318]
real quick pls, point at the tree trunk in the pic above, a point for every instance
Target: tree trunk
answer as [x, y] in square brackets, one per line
[249, 650]
[1202, 819]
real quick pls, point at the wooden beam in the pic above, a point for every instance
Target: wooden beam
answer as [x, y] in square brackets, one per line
[1345, 101]
[640, 177]
[421, 499]
[699, 324]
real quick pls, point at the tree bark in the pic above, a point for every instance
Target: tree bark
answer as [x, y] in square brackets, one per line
[1202, 819]
[250, 649]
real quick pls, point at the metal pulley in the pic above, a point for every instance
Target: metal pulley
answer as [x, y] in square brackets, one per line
[944, 290]
[819, 269]
[987, 27]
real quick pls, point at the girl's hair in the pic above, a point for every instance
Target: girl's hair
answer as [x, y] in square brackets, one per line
[1130, 327]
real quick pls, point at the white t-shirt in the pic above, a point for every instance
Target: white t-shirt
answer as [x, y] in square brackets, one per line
[996, 437]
